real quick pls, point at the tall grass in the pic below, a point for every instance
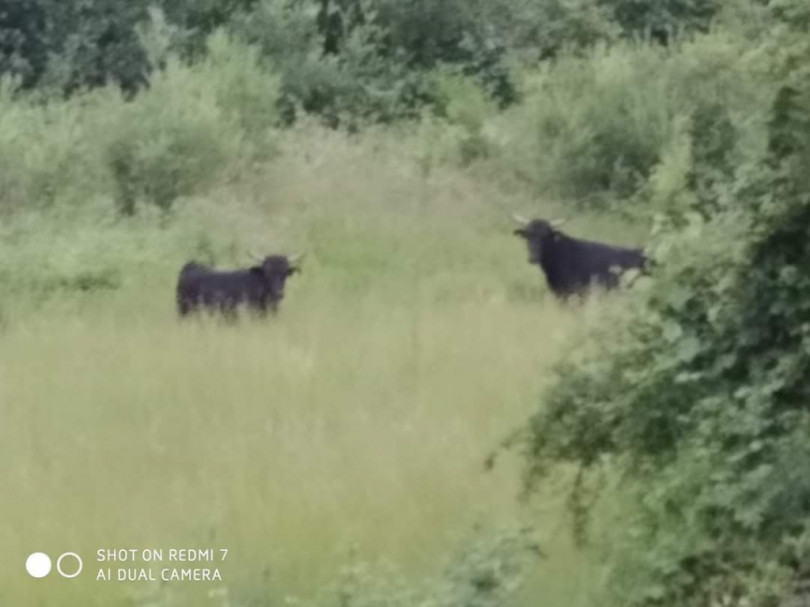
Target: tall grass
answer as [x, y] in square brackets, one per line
[353, 426]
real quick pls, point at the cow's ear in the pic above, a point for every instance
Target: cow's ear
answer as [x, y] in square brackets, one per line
[293, 270]
[520, 232]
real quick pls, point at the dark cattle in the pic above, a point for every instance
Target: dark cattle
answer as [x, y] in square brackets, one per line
[260, 288]
[572, 265]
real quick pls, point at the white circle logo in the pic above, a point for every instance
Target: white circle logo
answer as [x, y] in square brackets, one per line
[59, 565]
[38, 564]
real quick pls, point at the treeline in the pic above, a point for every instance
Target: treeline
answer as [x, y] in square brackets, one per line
[146, 102]
[368, 58]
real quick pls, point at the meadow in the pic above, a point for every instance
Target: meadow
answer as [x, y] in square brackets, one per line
[346, 435]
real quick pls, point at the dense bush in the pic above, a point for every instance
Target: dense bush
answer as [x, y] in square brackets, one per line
[696, 390]
[182, 133]
[44, 154]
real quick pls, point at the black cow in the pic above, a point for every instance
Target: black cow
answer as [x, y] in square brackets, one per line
[259, 288]
[572, 265]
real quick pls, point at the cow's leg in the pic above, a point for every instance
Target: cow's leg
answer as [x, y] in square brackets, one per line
[184, 306]
[228, 310]
[260, 308]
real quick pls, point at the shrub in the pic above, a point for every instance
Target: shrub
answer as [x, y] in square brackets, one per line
[190, 126]
[169, 142]
[464, 103]
[246, 94]
[45, 154]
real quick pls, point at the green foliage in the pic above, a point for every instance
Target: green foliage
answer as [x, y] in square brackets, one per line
[464, 103]
[73, 44]
[44, 156]
[177, 137]
[373, 61]
[660, 19]
[197, 19]
[22, 54]
[338, 62]
[65, 254]
[597, 123]
[595, 129]
[194, 125]
[696, 390]
[542, 30]
[367, 59]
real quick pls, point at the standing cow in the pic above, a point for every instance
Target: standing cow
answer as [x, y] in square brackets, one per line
[259, 289]
[572, 265]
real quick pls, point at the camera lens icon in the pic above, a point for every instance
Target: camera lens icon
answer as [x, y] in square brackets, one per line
[69, 565]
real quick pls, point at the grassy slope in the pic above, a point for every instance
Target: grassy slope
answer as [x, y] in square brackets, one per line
[358, 420]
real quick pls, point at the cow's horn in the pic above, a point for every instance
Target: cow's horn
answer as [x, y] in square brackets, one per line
[556, 223]
[255, 255]
[297, 258]
[520, 219]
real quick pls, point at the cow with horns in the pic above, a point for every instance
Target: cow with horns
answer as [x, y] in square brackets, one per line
[572, 265]
[259, 288]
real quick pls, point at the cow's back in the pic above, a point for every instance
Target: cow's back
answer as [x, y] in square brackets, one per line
[200, 286]
[574, 265]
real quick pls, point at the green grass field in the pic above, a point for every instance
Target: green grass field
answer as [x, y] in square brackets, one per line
[352, 426]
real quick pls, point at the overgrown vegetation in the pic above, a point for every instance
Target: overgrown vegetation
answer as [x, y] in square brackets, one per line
[697, 392]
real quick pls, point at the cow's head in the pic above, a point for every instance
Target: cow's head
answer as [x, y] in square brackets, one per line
[535, 233]
[275, 270]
